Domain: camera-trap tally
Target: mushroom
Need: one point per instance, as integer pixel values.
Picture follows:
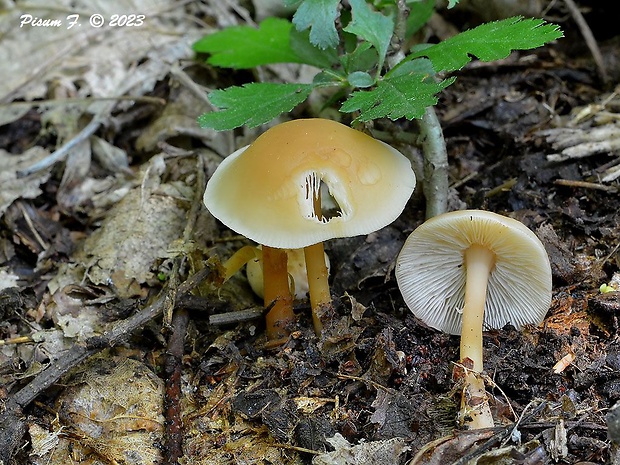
(296, 266)
(276, 191)
(465, 271)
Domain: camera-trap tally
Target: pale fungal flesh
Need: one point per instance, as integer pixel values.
(267, 190)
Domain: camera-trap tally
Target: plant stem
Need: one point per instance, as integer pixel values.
(277, 290)
(479, 262)
(318, 285)
(435, 184)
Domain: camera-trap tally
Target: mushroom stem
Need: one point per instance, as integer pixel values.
(318, 285)
(479, 262)
(238, 260)
(316, 268)
(278, 292)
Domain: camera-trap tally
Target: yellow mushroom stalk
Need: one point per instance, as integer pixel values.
(316, 267)
(277, 294)
(318, 285)
(478, 262)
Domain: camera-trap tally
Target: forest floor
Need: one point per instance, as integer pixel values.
(110, 353)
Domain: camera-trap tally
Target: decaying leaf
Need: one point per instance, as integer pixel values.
(556, 441)
(43, 441)
(388, 452)
(14, 187)
(76, 318)
(217, 436)
(110, 413)
(7, 279)
(137, 231)
(55, 53)
(450, 448)
(393, 414)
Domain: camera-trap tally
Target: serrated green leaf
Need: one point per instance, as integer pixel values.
(371, 26)
(489, 42)
(396, 97)
(320, 16)
(252, 104)
(243, 47)
(419, 66)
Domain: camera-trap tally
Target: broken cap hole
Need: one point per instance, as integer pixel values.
(324, 205)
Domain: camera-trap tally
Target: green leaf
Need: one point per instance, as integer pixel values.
(360, 79)
(371, 26)
(405, 95)
(489, 42)
(363, 58)
(419, 66)
(320, 16)
(243, 47)
(252, 104)
(329, 78)
(419, 14)
(311, 55)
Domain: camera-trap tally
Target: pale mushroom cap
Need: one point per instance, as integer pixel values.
(265, 190)
(431, 275)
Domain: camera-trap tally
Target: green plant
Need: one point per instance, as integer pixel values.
(362, 51)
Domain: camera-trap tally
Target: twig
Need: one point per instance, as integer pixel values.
(377, 386)
(465, 180)
(179, 320)
(515, 428)
(62, 152)
(295, 448)
(191, 85)
(44, 245)
(172, 401)
(498, 438)
(16, 340)
(239, 316)
(586, 32)
(85, 100)
(586, 185)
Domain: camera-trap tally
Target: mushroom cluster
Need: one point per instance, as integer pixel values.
(298, 184)
(465, 271)
(296, 265)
